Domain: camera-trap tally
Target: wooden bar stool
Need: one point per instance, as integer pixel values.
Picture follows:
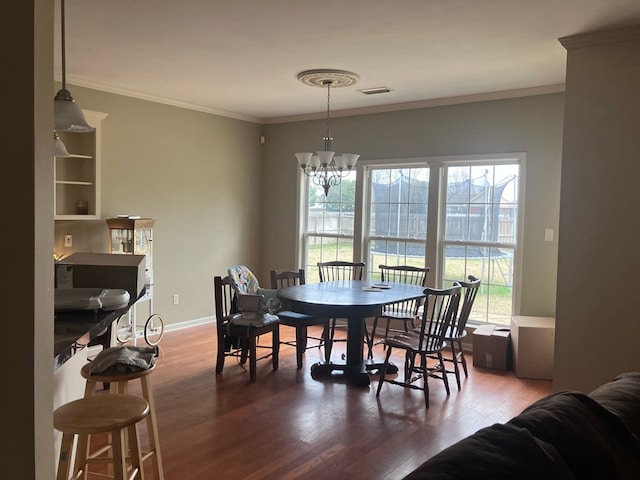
(112, 414)
(119, 383)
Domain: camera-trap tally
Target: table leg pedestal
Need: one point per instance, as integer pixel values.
(357, 375)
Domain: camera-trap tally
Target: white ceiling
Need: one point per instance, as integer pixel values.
(240, 58)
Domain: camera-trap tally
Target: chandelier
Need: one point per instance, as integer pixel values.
(325, 168)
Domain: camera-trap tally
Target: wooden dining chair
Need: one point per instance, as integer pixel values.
(456, 333)
(440, 308)
(340, 270)
(240, 341)
(300, 321)
(407, 312)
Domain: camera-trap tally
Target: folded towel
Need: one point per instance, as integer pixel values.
(123, 359)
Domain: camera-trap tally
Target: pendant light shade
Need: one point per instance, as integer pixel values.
(67, 114)
(60, 150)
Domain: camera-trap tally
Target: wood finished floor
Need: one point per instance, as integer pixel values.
(287, 425)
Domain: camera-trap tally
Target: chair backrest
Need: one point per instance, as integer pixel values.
(339, 270)
(441, 307)
(224, 300)
(287, 278)
(470, 290)
(405, 274)
(244, 281)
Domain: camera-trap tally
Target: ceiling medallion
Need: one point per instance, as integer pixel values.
(324, 77)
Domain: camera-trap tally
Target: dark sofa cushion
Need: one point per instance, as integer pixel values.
(622, 397)
(498, 452)
(593, 442)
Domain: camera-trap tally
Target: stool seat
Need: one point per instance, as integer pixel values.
(100, 413)
(116, 415)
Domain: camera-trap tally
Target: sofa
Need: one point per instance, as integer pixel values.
(566, 435)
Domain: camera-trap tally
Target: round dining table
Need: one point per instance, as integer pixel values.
(355, 301)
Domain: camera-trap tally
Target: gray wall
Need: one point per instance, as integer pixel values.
(197, 174)
(596, 326)
(221, 198)
(530, 124)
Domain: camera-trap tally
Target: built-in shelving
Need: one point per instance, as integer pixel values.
(77, 177)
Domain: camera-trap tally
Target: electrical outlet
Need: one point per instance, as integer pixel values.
(68, 241)
(176, 299)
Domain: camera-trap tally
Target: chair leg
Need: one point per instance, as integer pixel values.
(386, 329)
(463, 360)
(252, 356)
(333, 328)
(301, 343)
(444, 373)
(372, 338)
(383, 371)
(245, 350)
(425, 379)
(220, 360)
(275, 347)
(454, 359)
(409, 365)
(328, 341)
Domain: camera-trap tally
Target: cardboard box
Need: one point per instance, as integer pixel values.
(491, 347)
(103, 270)
(533, 346)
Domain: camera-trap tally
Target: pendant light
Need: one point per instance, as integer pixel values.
(324, 167)
(60, 149)
(67, 114)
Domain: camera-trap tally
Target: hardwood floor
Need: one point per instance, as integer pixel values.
(287, 425)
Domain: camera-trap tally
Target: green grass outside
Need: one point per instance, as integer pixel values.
(494, 300)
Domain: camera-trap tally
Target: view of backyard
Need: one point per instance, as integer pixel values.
(477, 237)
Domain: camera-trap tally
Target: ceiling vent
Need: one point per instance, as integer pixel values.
(375, 91)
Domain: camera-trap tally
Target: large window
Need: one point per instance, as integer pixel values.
(457, 216)
(397, 226)
(329, 225)
(479, 226)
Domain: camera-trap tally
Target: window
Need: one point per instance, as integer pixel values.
(457, 216)
(479, 229)
(329, 223)
(397, 226)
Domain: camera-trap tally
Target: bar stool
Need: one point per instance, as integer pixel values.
(113, 414)
(119, 383)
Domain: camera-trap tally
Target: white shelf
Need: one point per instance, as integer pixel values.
(71, 182)
(77, 177)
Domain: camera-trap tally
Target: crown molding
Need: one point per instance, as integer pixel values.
(437, 102)
(601, 37)
(157, 99)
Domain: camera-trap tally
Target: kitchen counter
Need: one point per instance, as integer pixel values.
(75, 330)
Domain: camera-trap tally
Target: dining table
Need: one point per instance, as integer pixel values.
(353, 300)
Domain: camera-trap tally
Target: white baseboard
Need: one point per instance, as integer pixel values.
(189, 323)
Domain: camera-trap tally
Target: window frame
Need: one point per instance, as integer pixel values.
(434, 245)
